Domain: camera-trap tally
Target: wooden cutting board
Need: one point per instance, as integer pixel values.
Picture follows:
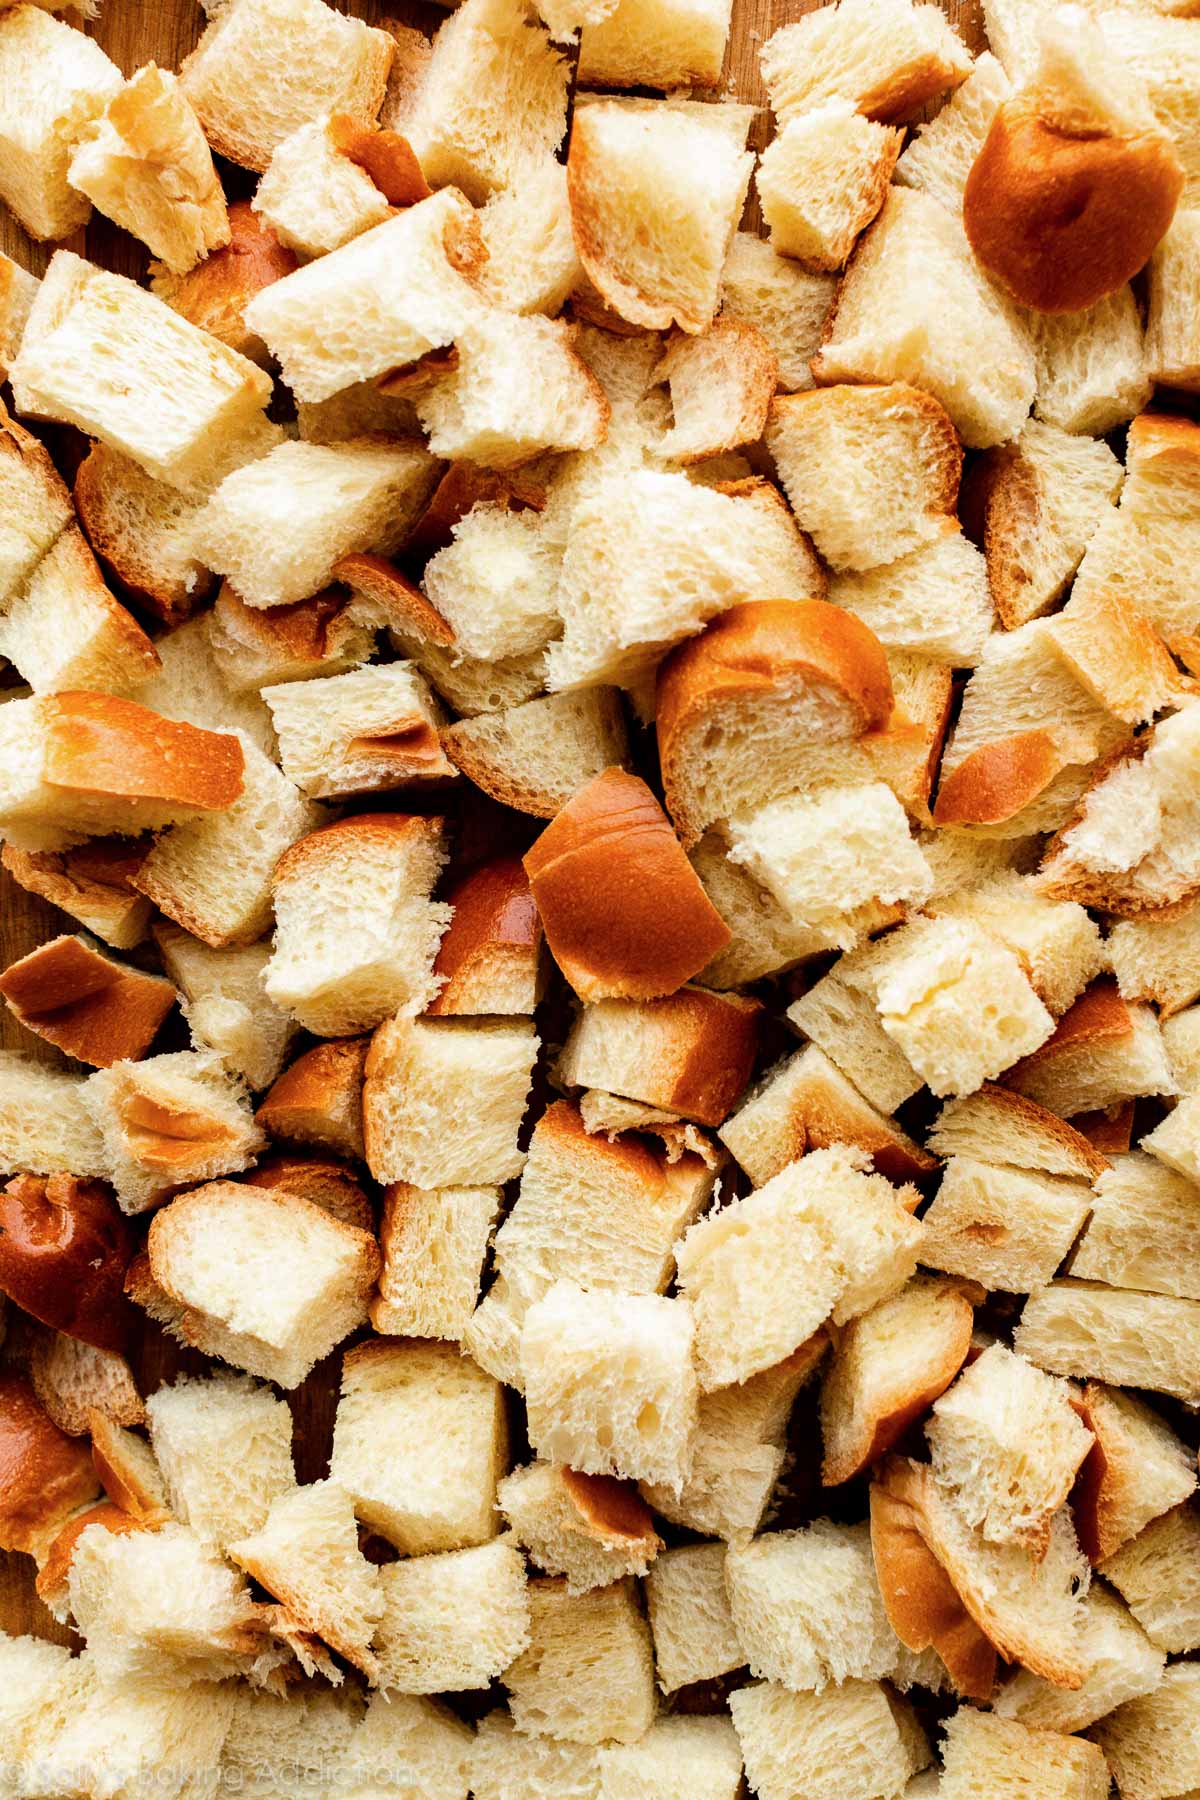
(134, 32)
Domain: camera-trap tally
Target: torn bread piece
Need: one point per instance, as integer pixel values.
(549, 1690)
(146, 164)
(1008, 1229)
(37, 506)
(797, 1742)
(1057, 943)
(356, 932)
(691, 1052)
(343, 319)
(1122, 1665)
(1102, 1051)
(1157, 958)
(1172, 346)
(1145, 1218)
(1149, 1743)
(899, 462)
(823, 179)
(318, 1099)
(103, 354)
(667, 44)
(888, 1365)
(940, 152)
(169, 1122)
(695, 1638)
(224, 1446)
(721, 385)
(918, 249)
(371, 730)
(18, 291)
(1137, 1470)
(215, 294)
(788, 304)
(934, 601)
(452, 1621)
(141, 531)
(334, 178)
(888, 57)
(64, 632)
(247, 1312)
(1140, 551)
(592, 1529)
(1091, 365)
(489, 408)
(1084, 1329)
(265, 67)
(80, 1000)
(495, 582)
(532, 264)
(45, 1128)
(982, 1754)
(656, 191)
(996, 1125)
(434, 1242)
(224, 1002)
(534, 757)
(55, 81)
(1154, 1573)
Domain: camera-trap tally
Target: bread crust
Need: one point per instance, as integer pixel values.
(80, 1001)
(311, 1101)
(54, 1574)
(764, 648)
(921, 1601)
(64, 1250)
(216, 293)
(463, 486)
(327, 1184)
(999, 780)
(402, 605)
(611, 1511)
(92, 882)
(102, 744)
(1061, 220)
(623, 910)
(494, 936)
(45, 1476)
(303, 631)
(1099, 1015)
(385, 156)
(119, 1473)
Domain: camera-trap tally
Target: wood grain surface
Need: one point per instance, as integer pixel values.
(134, 32)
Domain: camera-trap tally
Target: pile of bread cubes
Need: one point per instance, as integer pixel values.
(623, 799)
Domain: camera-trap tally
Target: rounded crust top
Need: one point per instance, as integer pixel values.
(329, 842)
(1059, 220)
(1099, 1013)
(622, 908)
(64, 1250)
(101, 744)
(494, 912)
(45, 1475)
(998, 780)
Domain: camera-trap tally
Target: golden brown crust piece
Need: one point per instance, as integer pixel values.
(93, 883)
(611, 1511)
(45, 1476)
(919, 1597)
(80, 1001)
(760, 650)
(318, 1100)
(101, 744)
(64, 1250)
(999, 780)
(463, 486)
(623, 910)
(385, 156)
(325, 1183)
(495, 933)
(216, 293)
(400, 604)
(55, 1571)
(1061, 220)
(305, 631)
(1099, 1013)
(119, 1473)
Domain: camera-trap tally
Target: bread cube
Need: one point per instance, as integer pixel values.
(1006, 1438)
(764, 939)
(1102, 1052)
(214, 875)
(855, 1742)
(265, 67)
(518, 389)
(293, 1281)
(1006, 1228)
(495, 582)
(434, 1242)
(397, 1398)
(939, 154)
(295, 1736)
(150, 1600)
(1158, 959)
(1082, 1328)
(934, 977)
(170, 1122)
(490, 959)
(806, 1103)
(307, 1555)
(41, 1682)
(414, 1067)
(224, 1445)
(786, 303)
(45, 1128)
(934, 601)
(918, 248)
(588, 1405)
(1056, 942)
(1125, 558)
(691, 1052)
(899, 463)
(255, 648)
(159, 1734)
(866, 853)
(1150, 1743)
(355, 930)
(1138, 1470)
(841, 1018)
(687, 553)
(317, 194)
(452, 1621)
(103, 354)
(588, 1674)
(373, 729)
(54, 81)
(1003, 1757)
(589, 1528)
(1172, 346)
(145, 163)
(532, 263)
(678, 1759)
(37, 506)
(318, 1100)
(886, 56)
(806, 1607)
(822, 180)
(1122, 1665)
(821, 1239)
(222, 998)
(1155, 1573)
(695, 1638)
(656, 193)
(215, 294)
(721, 385)
(887, 1366)
(94, 1009)
(428, 1742)
(1143, 1222)
(276, 527)
(63, 631)
(656, 43)
(1092, 371)
(345, 318)
(737, 1451)
(507, 1764)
